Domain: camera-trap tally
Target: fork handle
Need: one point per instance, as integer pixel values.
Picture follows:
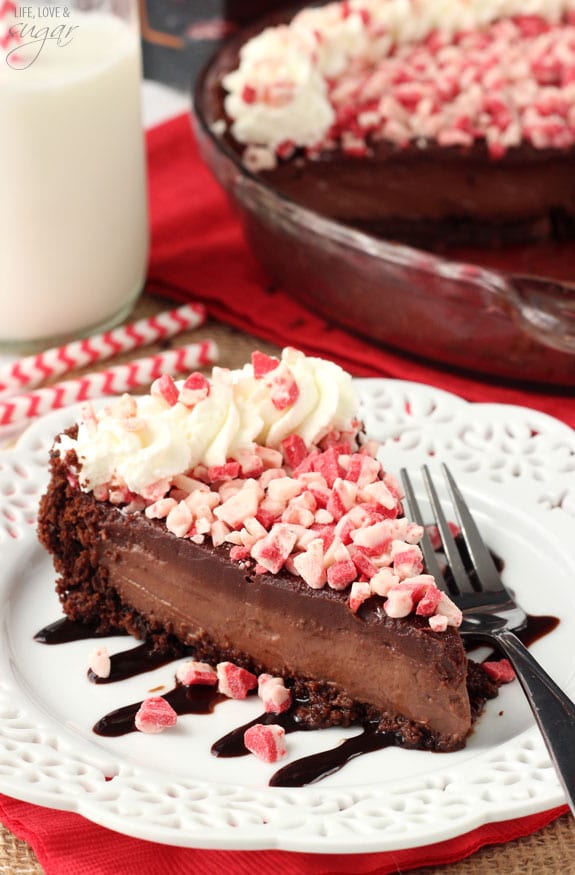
(553, 710)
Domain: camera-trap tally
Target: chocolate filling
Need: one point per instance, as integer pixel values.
(122, 570)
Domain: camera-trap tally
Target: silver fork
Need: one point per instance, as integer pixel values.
(490, 614)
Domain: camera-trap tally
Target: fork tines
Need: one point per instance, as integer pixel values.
(464, 577)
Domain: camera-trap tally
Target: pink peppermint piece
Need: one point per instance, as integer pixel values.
(283, 387)
(270, 474)
(244, 503)
(409, 594)
(165, 388)
(438, 623)
(99, 662)
(362, 469)
(362, 562)
(341, 574)
(449, 609)
(375, 540)
(268, 516)
(263, 364)
(218, 532)
(156, 490)
(273, 693)
(500, 671)
(273, 550)
(413, 533)
(283, 489)
(306, 500)
(320, 492)
(294, 450)
(309, 564)
(383, 581)
(254, 528)
(266, 742)
(270, 458)
(407, 562)
(250, 463)
(239, 553)
(342, 498)
(307, 464)
(228, 471)
(179, 520)
(154, 715)
(298, 516)
(399, 602)
(380, 494)
(344, 529)
(327, 465)
(191, 672)
(234, 681)
(334, 441)
(360, 592)
(120, 494)
(194, 389)
(428, 604)
(325, 531)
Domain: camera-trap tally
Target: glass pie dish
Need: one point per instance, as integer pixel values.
(508, 313)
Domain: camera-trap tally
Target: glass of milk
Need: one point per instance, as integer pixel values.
(73, 204)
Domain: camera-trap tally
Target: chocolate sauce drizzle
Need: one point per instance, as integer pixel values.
(137, 660)
(203, 699)
(64, 631)
(197, 699)
(310, 769)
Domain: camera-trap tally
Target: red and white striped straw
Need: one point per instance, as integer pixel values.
(29, 372)
(121, 378)
(9, 34)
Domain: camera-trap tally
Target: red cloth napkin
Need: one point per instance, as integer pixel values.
(66, 844)
(198, 251)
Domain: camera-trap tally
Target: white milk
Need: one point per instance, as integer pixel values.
(73, 209)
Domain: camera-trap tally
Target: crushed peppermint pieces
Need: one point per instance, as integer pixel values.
(267, 742)
(502, 82)
(234, 681)
(154, 715)
(274, 694)
(328, 513)
(190, 673)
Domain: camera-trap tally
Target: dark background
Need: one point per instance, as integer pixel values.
(178, 36)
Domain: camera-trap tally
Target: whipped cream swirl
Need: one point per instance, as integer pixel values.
(139, 441)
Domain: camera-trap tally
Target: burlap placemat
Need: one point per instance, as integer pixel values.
(552, 850)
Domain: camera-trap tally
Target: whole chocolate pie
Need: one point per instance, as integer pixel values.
(431, 123)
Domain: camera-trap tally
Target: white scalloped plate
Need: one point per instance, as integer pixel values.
(517, 468)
